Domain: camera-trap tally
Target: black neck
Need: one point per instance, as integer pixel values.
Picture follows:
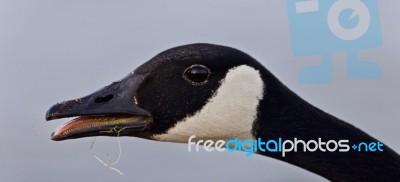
(287, 116)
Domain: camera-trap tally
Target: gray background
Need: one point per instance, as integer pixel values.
(52, 50)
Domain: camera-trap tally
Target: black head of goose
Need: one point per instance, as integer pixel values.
(220, 93)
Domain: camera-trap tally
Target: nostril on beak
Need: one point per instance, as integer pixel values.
(104, 98)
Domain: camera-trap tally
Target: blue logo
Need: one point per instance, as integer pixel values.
(323, 27)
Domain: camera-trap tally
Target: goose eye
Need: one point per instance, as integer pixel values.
(196, 74)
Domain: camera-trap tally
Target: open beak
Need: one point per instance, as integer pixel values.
(111, 111)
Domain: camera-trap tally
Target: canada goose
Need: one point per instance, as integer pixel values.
(216, 92)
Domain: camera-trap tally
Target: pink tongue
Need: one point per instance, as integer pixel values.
(77, 123)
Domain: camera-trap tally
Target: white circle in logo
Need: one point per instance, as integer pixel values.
(359, 9)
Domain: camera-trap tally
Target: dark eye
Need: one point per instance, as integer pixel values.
(196, 74)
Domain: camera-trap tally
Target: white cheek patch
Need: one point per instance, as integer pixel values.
(228, 114)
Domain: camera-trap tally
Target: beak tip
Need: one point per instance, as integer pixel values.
(53, 112)
(49, 115)
(55, 137)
